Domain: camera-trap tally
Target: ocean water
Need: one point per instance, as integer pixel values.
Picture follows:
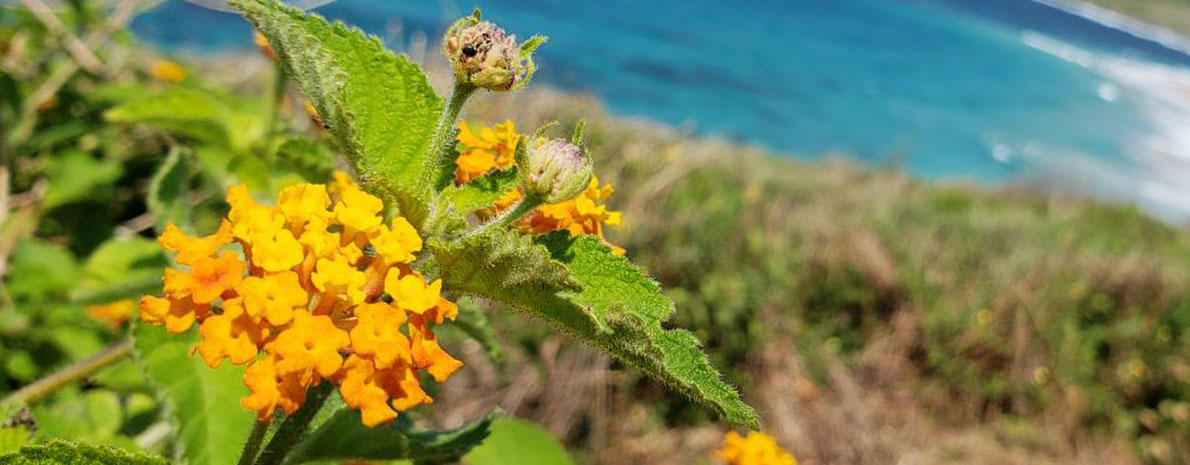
(985, 90)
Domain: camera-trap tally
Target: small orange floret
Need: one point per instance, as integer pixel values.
(492, 149)
(755, 449)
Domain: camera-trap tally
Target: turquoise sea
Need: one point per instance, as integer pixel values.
(1055, 94)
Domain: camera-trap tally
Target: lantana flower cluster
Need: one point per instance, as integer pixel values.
(317, 288)
(492, 150)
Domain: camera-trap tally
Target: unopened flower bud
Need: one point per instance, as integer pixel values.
(554, 169)
(483, 55)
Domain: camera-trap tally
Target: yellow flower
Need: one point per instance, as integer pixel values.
(490, 150)
(398, 244)
(114, 314)
(274, 297)
(377, 334)
(304, 204)
(167, 71)
(190, 249)
(585, 214)
(411, 293)
(358, 212)
(755, 449)
(308, 310)
(310, 347)
(338, 277)
(232, 335)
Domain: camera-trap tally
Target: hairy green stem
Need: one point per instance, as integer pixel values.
(295, 425)
(440, 145)
(521, 209)
(252, 447)
(46, 386)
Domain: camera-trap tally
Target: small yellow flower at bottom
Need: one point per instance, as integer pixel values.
(167, 71)
(755, 449)
(113, 314)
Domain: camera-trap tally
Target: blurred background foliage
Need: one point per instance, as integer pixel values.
(871, 317)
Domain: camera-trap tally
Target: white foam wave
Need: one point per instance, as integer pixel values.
(1158, 175)
(1122, 22)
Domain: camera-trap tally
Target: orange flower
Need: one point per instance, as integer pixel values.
(309, 307)
(114, 314)
(490, 150)
(585, 214)
(167, 71)
(756, 449)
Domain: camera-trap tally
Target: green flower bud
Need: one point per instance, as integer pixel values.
(554, 169)
(483, 55)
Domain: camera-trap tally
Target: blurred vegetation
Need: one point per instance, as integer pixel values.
(1174, 14)
(988, 304)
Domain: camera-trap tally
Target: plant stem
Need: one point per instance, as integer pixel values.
(252, 447)
(521, 209)
(439, 145)
(295, 425)
(46, 386)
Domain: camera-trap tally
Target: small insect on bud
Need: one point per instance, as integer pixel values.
(483, 55)
(554, 169)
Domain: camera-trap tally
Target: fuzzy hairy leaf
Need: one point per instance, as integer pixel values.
(507, 267)
(59, 452)
(631, 303)
(378, 105)
(343, 437)
(202, 115)
(520, 442)
(204, 403)
(12, 438)
(614, 307)
(482, 192)
(167, 190)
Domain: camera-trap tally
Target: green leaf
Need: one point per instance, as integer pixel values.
(312, 160)
(75, 176)
(614, 306)
(202, 115)
(507, 267)
(482, 192)
(12, 438)
(39, 269)
(344, 437)
(631, 303)
(518, 442)
(71, 453)
(94, 416)
(168, 189)
(378, 105)
(203, 402)
(121, 269)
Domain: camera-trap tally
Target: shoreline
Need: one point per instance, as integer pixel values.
(1131, 25)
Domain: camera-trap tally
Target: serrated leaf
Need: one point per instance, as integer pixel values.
(344, 437)
(311, 160)
(168, 189)
(202, 115)
(71, 453)
(379, 106)
(615, 307)
(519, 442)
(631, 303)
(202, 402)
(482, 192)
(121, 269)
(508, 267)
